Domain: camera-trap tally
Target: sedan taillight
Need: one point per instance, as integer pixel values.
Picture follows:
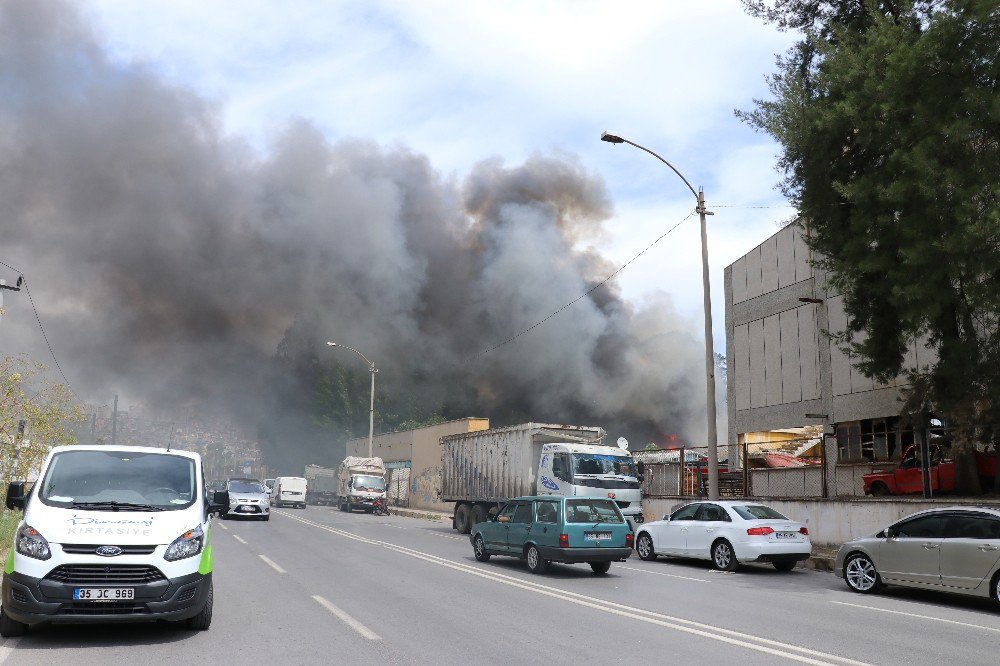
(760, 531)
(804, 530)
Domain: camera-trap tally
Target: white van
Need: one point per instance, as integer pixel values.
(111, 534)
(289, 490)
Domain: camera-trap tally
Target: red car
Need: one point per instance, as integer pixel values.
(907, 478)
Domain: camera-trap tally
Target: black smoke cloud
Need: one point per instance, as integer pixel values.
(168, 260)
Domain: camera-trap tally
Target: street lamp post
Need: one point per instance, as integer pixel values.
(371, 405)
(713, 452)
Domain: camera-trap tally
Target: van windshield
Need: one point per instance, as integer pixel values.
(372, 483)
(240, 486)
(119, 481)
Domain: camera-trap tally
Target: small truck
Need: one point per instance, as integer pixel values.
(907, 477)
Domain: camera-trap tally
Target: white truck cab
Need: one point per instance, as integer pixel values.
(111, 534)
(587, 470)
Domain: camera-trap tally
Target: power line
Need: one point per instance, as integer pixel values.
(40, 327)
(582, 296)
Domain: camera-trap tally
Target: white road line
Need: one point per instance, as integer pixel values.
(223, 526)
(240, 539)
(347, 619)
(447, 536)
(921, 617)
(739, 639)
(660, 573)
(271, 563)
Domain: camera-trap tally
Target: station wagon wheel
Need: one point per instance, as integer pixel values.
(536, 564)
(600, 567)
(479, 547)
(861, 575)
(723, 557)
(644, 546)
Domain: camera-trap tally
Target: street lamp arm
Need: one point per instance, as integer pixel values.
(672, 167)
(370, 364)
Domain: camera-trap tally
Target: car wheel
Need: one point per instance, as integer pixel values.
(479, 547)
(996, 588)
(600, 568)
(879, 489)
(203, 620)
(723, 557)
(266, 517)
(860, 574)
(644, 546)
(9, 627)
(536, 564)
(783, 566)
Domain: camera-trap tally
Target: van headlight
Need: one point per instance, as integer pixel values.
(186, 545)
(31, 543)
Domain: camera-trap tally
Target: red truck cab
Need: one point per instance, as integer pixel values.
(907, 477)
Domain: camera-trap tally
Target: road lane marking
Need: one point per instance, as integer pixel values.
(240, 539)
(347, 619)
(271, 563)
(223, 526)
(921, 617)
(661, 573)
(720, 634)
(447, 536)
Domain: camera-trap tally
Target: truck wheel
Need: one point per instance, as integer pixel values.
(203, 620)
(600, 568)
(479, 547)
(879, 489)
(536, 564)
(479, 514)
(343, 506)
(9, 627)
(462, 519)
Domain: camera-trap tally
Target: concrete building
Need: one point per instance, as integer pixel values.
(786, 372)
(413, 458)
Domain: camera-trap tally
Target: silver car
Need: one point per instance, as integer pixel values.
(247, 498)
(952, 549)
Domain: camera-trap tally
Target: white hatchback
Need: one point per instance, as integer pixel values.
(728, 534)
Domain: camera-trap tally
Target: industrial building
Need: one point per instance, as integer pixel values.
(413, 460)
(785, 371)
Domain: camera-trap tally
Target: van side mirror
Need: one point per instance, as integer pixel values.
(16, 498)
(220, 501)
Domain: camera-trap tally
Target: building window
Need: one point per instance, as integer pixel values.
(872, 440)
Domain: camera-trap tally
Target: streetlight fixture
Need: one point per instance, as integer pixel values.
(713, 443)
(371, 405)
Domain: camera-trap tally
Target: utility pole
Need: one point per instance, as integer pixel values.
(114, 422)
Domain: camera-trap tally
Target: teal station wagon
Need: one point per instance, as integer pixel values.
(547, 529)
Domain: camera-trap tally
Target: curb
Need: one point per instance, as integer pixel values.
(417, 513)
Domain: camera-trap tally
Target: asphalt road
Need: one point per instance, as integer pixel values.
(320, 586)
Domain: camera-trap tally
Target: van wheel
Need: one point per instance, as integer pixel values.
(536, 564)
(203, 620)
(600, 568)
(9, 627)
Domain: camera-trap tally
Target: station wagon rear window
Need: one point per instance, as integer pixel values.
(592, 511)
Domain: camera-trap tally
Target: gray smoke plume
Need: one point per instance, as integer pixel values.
(168, 261)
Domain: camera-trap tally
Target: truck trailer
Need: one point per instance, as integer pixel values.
(482, 470)
(321, 488)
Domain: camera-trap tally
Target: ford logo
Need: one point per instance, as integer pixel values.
(109, 551)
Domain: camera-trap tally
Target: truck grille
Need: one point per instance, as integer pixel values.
(98, 574)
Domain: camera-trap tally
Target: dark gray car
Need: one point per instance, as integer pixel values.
(951, 549)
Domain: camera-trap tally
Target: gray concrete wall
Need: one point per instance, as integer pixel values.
(831, 522)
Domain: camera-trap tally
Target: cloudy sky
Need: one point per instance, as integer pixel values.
(466, 81)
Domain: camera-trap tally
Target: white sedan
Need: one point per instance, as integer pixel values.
(727, 533)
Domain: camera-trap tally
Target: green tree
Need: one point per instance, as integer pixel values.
(888, 114)
(47, 409)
